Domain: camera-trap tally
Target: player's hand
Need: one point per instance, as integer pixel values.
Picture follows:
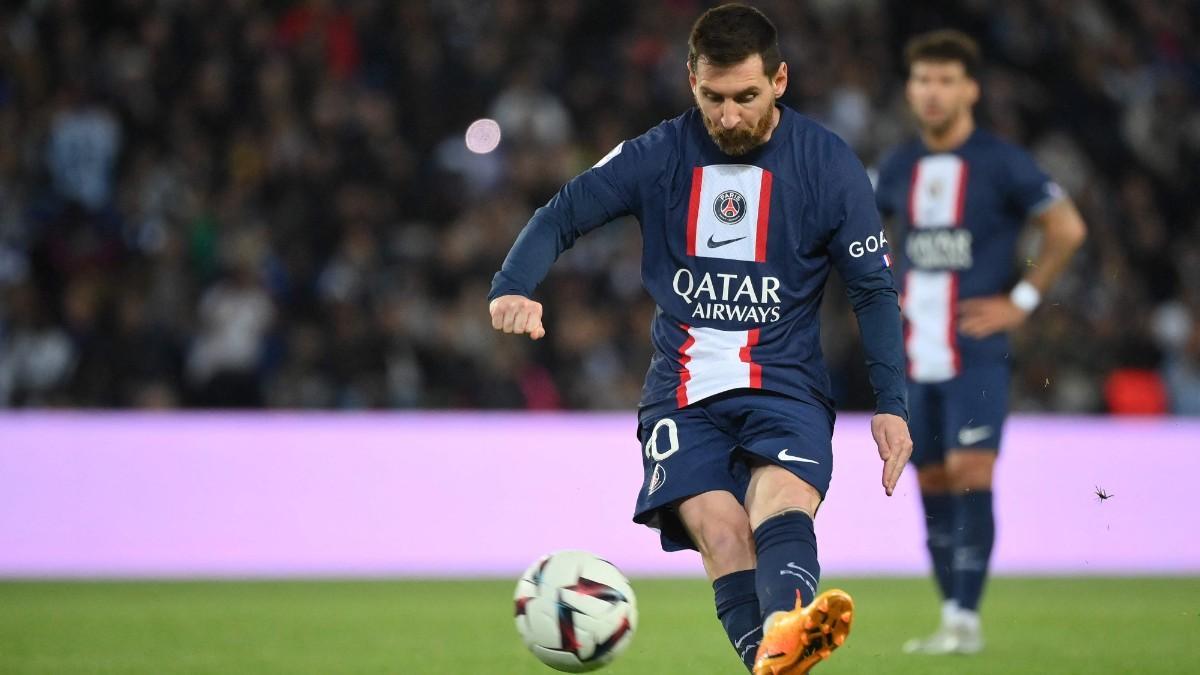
(981, 317)
(895, 447)
(517, 314)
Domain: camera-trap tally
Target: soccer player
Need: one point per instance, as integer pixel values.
(959, 196)
(744, 207)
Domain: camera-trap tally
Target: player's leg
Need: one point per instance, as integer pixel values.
(801, 627)
(970, 475)
(720, 529)
(970, 464)
(925, 425)
(937, 503)
(788, 448)
(782, 507)
(688, 494)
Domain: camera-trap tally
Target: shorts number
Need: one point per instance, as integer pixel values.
(672, 437)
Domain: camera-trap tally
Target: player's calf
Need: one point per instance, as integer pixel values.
(720, 528)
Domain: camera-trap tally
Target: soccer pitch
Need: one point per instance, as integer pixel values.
(1088, 625)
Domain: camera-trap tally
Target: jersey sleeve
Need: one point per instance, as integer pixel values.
(877, 308)
(1030, 190)
(858, 249)
(609, 190)
(857, 244)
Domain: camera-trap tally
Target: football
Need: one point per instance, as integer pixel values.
(574, 611)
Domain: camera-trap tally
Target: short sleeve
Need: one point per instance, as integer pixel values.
(857, 244)
(1030, 190)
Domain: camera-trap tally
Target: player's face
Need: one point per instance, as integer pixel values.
(738, 102)
(939, 93)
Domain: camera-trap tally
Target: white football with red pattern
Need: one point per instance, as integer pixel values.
(574, 611)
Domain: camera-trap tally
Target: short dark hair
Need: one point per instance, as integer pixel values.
(941, 46)
(729, 34)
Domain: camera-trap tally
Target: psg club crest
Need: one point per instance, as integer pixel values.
(730, 207)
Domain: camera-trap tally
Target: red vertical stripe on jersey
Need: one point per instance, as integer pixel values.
(962, 194)
(906, 323)
(952, 328)
(958, 222)
(912, 195)
(694, 209)
(755, 368)
(764, 217)
(684, 375)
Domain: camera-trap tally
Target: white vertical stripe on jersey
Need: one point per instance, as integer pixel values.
(928, 306)
(714, 238)
(935, 197)
(931, 298)
(714, 361)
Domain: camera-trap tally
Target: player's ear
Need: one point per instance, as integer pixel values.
(691, 75)
(972, 91)
(780, 81)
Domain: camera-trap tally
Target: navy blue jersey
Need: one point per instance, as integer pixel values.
(958, 215)
(736, 252)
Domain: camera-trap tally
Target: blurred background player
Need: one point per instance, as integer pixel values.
(959, 197)
(744, 205)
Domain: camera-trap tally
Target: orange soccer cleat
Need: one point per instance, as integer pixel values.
(805, 636)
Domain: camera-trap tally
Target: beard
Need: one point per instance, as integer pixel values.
(740, 140)
(943, 126)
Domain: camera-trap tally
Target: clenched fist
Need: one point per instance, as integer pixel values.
(517, 314)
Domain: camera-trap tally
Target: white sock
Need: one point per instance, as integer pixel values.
(949, 612)
(967, 619)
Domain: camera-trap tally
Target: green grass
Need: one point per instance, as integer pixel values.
(1058, 626)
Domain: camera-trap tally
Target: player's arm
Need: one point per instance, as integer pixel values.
(859, 251)
(604, 192)
(1063, 232)
(877, 308)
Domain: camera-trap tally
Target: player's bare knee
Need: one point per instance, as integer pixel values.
(970, 470)
(775, 490)
(725, 543)
(720, 528)
(726, 547)
(933, 479)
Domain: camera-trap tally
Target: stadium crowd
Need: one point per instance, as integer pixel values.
(270, 204)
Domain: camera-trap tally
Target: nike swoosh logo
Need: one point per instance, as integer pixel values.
(713, 243)
(973, 435)
(788, 457)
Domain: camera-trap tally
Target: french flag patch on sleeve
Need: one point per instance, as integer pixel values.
(887, 260)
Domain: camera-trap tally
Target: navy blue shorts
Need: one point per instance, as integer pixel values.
(966, 412)
(710, 444)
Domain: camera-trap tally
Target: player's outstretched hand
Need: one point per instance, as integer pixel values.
(517, 314)
(895, 447)
(981, 317)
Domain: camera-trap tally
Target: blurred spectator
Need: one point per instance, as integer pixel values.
(226, 358)
(82, 150)
(37, 356)
(1183, 377)
(271, 204)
